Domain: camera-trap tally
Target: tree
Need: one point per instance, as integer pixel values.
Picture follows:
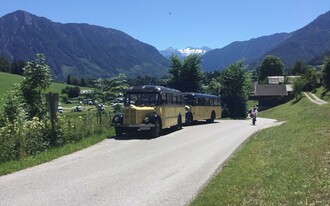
(298, 86)
(311, 79)
(235, 87)
(186, 75)
(299, 68)
(36, 79)
(270, 66)
(111, 87)
(72, 92)
(116, 85)
(17, 67)
(74, 81)
(12, 107)
(326, 73)
(213, 87)
(83, 82)
(68, 79)
(4, 64)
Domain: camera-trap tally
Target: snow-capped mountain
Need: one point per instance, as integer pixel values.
(182, 53)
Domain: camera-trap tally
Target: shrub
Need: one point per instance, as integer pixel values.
(9, 147)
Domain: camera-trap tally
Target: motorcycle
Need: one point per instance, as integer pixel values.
(253, 117)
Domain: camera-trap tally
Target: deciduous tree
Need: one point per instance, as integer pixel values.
(298, 86)
(36, 79)
(270, 66)
(326, 73)
(235, 86)
(186, 74)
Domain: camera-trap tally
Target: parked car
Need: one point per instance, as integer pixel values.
(60, 109)
(78, 109)
(100, 107)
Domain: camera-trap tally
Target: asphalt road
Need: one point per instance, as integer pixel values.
(169, 170)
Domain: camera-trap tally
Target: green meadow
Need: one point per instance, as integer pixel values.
(284, 165)
(7, 80)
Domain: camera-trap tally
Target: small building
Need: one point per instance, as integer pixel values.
(275, 79)
(270, 95)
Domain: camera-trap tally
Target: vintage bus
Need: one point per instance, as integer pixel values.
(151, 108)
(202, 107)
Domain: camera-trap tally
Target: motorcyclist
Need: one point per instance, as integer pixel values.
(254, 114)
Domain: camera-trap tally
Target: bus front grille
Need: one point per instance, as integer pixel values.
(130, 116)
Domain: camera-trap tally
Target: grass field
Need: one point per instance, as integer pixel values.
(284, 165)
(7, 80)
(6, 83)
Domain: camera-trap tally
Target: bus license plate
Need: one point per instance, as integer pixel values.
(145, 128)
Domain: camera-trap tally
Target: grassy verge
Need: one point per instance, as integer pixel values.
(323, 94)
(284, 165)
(53, 153)
(6, 83)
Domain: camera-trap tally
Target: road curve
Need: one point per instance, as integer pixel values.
(168, 170)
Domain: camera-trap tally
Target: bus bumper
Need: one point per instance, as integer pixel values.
(138, 127)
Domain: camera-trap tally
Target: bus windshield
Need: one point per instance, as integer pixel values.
(141, 99)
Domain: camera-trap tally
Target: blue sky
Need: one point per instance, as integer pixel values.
(180, 23)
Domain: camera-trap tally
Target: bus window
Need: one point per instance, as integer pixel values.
(163, 98)
(206, 102)
(169, 98)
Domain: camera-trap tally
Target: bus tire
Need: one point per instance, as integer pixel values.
(119, 131)
(212, 117)
(179, 125)
(155, 130)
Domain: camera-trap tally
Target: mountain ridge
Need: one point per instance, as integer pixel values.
(307, 44)
(248, 50)
(77, 49)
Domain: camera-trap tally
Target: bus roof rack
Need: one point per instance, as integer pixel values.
(199, 95)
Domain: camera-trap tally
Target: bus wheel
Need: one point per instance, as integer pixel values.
(179, 125)
(155, 130)
(119, 131)
(212, 117)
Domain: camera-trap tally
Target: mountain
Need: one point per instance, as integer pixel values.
(183, 53)
(77, 49)
(249, 50)
(308, 44)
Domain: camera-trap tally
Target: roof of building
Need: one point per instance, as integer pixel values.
(270, 90)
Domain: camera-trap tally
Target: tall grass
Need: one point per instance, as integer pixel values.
(52, 153)
(284, 165)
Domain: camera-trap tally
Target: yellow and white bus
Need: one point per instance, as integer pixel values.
(202, 107)
(152, 108)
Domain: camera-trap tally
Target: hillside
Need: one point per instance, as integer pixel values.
(308, 44)
(286, 165)
(250, 50)
(7, 80)
(77, 49)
